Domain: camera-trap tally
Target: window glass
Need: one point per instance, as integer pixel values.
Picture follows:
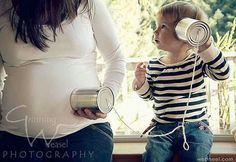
(135, 22)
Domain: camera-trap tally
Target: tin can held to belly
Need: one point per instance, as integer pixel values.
(193, 31)
(101, 99)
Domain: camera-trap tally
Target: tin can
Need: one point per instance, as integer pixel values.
(101, 99)
(195, 32)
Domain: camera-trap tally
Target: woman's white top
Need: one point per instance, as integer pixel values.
(37, 86)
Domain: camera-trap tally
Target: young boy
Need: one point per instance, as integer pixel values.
(175, 83)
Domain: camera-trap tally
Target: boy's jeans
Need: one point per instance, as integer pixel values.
(91, 144)
(162, 149)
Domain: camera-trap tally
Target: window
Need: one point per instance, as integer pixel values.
(135, 30)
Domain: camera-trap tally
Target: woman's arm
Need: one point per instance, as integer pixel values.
(109, 46)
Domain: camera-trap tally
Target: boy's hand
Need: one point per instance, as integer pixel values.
(206, 45)
(140, 75)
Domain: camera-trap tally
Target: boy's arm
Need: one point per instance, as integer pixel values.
(145, 90)
(215, 65)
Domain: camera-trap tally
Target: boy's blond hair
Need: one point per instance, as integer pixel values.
(179, 10)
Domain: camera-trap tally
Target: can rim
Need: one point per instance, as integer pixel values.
(113, 99)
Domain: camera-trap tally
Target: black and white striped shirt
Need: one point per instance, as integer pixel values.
(169, 86)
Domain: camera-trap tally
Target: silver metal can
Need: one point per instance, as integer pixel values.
(195, 32)
(101, 99)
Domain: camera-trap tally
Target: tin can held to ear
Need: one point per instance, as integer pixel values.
(195, 32)
(97, 100)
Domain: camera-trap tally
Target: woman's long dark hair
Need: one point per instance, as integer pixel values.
(28, 18)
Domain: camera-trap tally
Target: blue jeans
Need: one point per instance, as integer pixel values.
(91, 144)
(162, 149)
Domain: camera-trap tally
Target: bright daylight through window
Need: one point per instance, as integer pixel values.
(135, 22)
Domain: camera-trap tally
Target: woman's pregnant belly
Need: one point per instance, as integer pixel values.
(36, 96)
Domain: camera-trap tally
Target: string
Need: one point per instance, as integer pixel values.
(120, 118)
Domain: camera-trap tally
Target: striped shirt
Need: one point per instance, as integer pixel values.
(169, 86)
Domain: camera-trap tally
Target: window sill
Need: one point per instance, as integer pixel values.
(132, 151)
(139, 148)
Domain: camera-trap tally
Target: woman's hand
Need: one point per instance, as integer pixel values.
(140, 76)
(87, 113)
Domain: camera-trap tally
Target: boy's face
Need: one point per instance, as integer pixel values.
(164, 34)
